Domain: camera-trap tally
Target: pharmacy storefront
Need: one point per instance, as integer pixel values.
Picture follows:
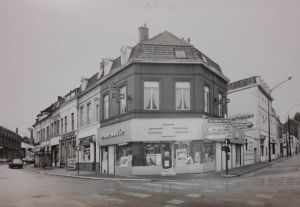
(155, 146)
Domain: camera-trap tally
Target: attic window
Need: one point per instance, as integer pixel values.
(180, 54)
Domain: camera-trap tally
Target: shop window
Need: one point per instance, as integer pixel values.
(182, 154)
(195, 152)
(124, 156)
(182, 95)
(151, 95)
(153, 154)
(86, 153)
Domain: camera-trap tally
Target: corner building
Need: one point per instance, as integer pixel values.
(155, 99)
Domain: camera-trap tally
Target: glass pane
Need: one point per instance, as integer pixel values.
(151, 84)
(147, 102)
(186, 98)
(123, 100)
(155, 96)
(178, 99)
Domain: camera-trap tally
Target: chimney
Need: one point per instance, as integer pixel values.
(143, 33)
(17, 130)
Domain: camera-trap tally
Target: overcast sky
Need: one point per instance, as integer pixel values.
(46, 46)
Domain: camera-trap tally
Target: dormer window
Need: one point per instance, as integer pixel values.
(180, 54)
(125, 53)
(106, 65)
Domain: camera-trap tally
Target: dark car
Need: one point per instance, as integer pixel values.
(15, 163)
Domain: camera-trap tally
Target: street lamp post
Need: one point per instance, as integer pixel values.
(78, 148)
(269, 133)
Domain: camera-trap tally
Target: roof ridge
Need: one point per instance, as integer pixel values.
(161, 35)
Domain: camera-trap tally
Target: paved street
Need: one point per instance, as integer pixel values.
(275, 186)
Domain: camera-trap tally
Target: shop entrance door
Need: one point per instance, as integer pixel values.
(166, 156)
(104, 160)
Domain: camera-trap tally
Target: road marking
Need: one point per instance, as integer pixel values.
(208, 190)
(111, 190)
(169, 206)
(192, 195)
(219, 186)
(175, 202)
(256, 203)
(182, 183)
(272, 190)
(264, 196)
(143, 188)
(165, 186)
(138, 195)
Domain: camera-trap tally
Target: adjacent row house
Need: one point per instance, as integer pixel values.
(249, 102)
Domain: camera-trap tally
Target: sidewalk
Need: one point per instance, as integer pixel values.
(240, 171)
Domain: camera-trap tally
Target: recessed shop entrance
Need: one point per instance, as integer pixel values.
(107, 160)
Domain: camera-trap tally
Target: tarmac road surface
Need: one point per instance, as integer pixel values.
(278, 186)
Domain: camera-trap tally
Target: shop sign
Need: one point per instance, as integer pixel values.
(117, 133)
(243, 121)
(68, 135)
(281, 140)
(71, 163)
(218, 129)
(86, 140)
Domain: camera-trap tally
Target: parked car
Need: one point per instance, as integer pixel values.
(16, 162)
(28, 160)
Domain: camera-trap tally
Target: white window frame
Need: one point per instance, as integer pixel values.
(206, 99)
(81, 116)
(151, 85)
(106, 106)
(180, 85)
(220, 104)
(123, 99)
(89, 113)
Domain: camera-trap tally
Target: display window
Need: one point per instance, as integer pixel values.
(124, 156)
(153, 154)
(86, 153)
(194, 152)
